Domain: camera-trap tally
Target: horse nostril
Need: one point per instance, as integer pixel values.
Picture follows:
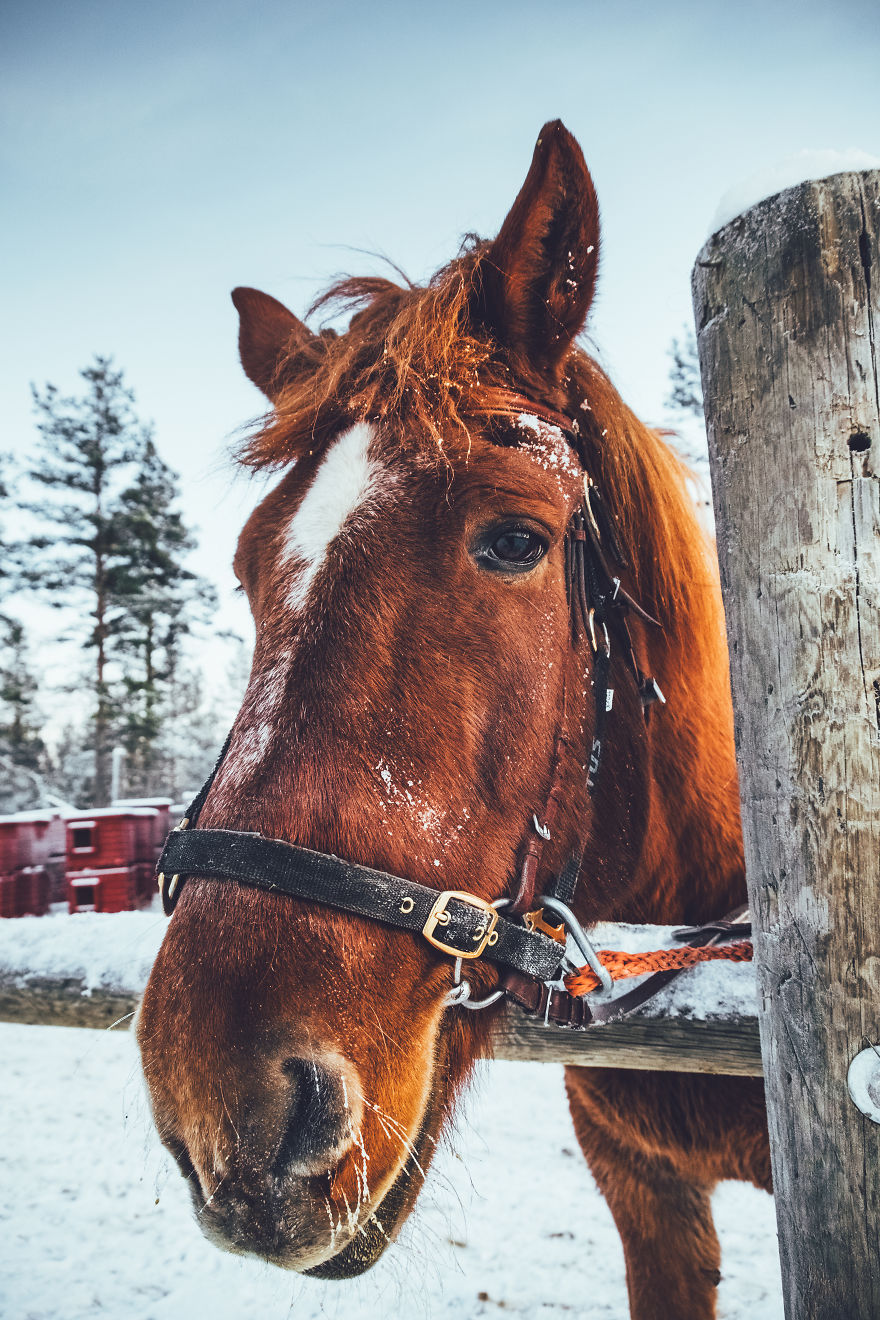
(319, 1121)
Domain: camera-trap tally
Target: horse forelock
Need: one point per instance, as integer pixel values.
(418, 361)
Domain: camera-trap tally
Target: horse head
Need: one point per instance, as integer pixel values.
(416, 684)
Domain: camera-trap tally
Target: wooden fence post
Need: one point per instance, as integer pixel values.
(787, 306)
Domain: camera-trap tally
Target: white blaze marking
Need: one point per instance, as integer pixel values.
(346, 481)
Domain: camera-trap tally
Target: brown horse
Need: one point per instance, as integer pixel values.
(414, 666)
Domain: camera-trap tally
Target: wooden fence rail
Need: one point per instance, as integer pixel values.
(787, 305)
(89, 971)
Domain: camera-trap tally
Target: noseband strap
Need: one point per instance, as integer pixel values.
(457, 924)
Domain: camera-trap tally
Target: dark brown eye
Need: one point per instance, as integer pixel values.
(513, 549)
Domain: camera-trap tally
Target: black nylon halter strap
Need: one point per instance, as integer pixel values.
(459, 925)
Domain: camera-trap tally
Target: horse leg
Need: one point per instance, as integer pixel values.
(665, 1223)
(673, 1260)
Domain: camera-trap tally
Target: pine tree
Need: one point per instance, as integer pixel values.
(161, 601)
(20, 723)
(21, 745)
(86, 440)
(685, 389)
(6, 549)
(192, 733)
(72, 769)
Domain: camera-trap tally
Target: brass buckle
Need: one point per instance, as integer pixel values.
(485, 937)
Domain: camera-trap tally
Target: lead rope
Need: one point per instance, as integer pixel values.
(620, 966)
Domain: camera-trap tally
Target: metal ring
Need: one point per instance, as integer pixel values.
(461, 990)
(459, 994)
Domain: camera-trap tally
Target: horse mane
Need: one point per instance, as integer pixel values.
(418, 357)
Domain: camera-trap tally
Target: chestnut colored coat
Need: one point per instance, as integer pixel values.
(414, 664)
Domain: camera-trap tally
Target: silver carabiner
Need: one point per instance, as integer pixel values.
(460, 993)
(580, 937)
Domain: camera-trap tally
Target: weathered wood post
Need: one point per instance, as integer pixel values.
(787, 305)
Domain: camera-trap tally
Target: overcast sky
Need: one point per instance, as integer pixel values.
(155, 155)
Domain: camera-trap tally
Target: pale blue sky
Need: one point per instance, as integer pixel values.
(155, 155)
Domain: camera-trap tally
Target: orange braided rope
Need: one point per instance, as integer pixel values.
(622, 965)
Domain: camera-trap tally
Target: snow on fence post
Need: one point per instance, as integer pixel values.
(787, 307)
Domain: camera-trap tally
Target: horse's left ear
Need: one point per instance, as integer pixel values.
(267, 336)
(539, 275)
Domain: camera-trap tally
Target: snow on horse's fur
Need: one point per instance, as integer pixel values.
(402, 712)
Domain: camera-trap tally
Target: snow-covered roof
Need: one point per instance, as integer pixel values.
(40, 815)
(143, 802)
(89, 816)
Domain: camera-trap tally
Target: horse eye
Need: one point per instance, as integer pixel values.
(514, 548)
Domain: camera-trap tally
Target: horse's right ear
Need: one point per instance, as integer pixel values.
(539, 274)
(268, 334)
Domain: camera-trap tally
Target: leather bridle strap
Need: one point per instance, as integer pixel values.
(458, 924)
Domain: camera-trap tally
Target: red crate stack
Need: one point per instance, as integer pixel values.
(109, 853)
(50, 848)
(24, 877)
(153, 839)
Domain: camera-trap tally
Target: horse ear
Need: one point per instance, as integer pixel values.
(539, 275)
(267, 335)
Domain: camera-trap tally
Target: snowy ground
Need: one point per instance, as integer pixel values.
(94, 1222)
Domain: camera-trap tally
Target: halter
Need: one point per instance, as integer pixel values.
(529, 950)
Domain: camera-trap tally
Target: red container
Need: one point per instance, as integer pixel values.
(163, 825)
(18, 843)
(9, 896)
(32, 885)
(145, 834)
(105, 839)
(50, 835)
(31, 851)
(161, 820)
(26, 893)
(145, 883)
(82, 892)
(49, 849)
(111, 890)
